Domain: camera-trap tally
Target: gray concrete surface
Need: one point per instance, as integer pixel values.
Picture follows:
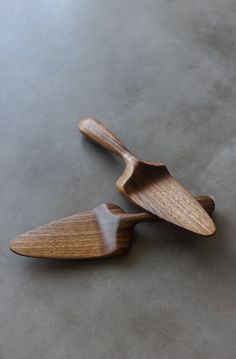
(161, 74)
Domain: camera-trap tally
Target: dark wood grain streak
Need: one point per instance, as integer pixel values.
(150, 185)
(102, 232)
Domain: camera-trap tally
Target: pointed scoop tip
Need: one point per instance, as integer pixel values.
(208, 230)
(16, 247)
(13, 246)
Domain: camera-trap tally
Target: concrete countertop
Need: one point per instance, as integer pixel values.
(161, 75)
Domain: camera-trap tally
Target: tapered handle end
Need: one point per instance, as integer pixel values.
(95, 131)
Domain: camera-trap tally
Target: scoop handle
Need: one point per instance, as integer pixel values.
(95, 131)
(206, 202)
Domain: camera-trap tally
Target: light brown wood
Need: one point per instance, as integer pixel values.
(102, 232)
(150, 185)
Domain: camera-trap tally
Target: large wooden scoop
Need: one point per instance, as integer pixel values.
(150, 185)
(102, 232)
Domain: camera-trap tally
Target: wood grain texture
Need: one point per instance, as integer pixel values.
(150, 185)
(102, 232)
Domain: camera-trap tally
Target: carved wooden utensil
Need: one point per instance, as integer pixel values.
(102, 232)
(150, 185)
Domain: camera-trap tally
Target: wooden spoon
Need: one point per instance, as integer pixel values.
(150, 185)
(102, 232)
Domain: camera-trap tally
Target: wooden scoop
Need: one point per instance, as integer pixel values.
(102, 232)
(150, 185)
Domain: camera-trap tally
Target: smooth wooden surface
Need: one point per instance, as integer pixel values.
(101, 232)
(150, 185)
(156, 72)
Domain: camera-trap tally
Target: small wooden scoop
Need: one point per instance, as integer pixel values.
(150, 185)
(102, 232)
